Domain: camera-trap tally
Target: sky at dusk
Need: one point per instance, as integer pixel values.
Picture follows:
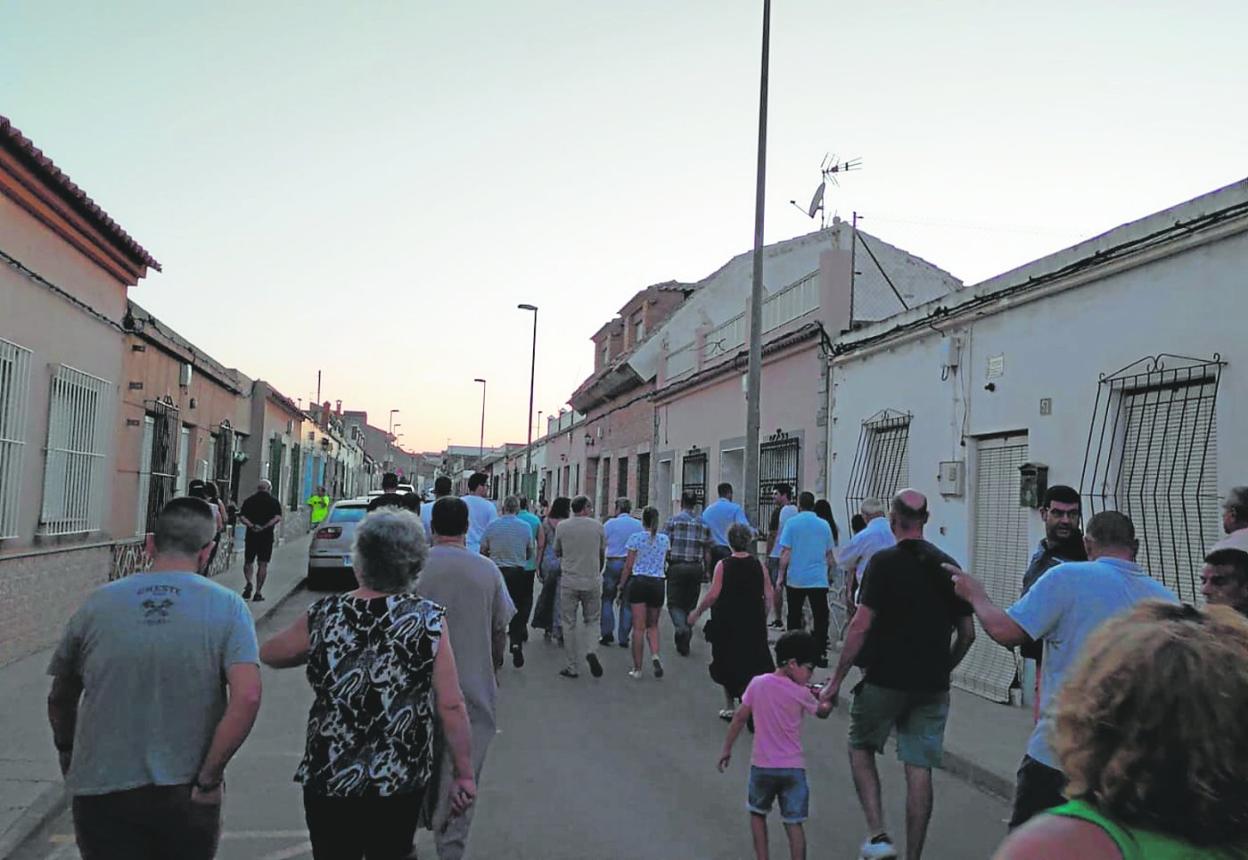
(370, 188)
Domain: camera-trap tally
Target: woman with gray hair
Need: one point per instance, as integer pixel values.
(378, 659)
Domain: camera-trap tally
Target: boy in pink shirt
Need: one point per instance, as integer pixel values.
(778, 701)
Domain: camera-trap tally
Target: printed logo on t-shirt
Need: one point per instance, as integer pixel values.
(156, 607)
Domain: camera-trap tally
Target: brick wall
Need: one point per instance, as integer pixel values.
(40, 591)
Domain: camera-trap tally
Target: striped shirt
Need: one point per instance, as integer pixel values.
(507, 541)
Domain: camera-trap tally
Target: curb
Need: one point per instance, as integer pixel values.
(993, 784)
(53, 800)
(50, 803)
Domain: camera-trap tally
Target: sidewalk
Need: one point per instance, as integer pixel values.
(984, 741)
(31, 789)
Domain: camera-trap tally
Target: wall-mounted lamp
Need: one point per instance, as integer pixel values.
(589, 440)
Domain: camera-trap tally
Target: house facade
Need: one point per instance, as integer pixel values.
(1114, 366)
(65, 268)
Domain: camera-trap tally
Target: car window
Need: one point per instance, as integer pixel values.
(348, 515)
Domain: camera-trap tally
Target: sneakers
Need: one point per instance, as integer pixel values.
(595, 668)
(568, 673)
(877, 848)
(682, 642)
(609, 639)
(776, 625)
(625, 644)
(517, 657)
(635, 674)
(658, 667)
(247, 591)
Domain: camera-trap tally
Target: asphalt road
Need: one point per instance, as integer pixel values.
(588, 769)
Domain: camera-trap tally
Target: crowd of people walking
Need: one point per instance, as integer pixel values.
(1138, 749)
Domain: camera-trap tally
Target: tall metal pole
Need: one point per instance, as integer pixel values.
(481, 444)
(528, 451)
(755, 372)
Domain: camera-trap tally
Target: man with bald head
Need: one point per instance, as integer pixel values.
(1061, 610)
(260, 513)
(919, 631)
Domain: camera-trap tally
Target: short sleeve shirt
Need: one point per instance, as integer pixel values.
(779, 519)
(478, 607)
(808, 538)
(651, 553)
(778, 705)
(619, 530)
(481, 512)
(259, 508)
(1062, 609)
(916, 611)
(370, 728)
(689, 536)
(152, 651)
(509, 541)
(580, 543)
(721, 515)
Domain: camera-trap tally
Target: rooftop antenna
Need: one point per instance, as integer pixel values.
(829, 168)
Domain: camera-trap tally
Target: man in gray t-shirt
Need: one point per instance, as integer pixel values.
(478, 609)
(156, 684)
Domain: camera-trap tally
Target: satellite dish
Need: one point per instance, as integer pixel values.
(816, 201)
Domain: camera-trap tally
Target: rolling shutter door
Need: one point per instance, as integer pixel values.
(999, 560)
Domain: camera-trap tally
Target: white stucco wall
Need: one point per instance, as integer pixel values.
(1193, 304)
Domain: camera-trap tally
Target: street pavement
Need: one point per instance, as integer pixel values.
(588, 769)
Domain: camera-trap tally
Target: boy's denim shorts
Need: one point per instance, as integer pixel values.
(787, 783)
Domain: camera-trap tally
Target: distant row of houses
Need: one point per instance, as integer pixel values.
(106, 411)
(1116, 366)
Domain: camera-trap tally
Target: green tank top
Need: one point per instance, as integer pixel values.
(1137, 844)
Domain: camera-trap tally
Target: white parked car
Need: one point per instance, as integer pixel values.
(329, 555)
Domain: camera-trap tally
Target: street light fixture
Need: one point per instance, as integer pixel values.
(528, 451)
(481, 448)
(392, 414)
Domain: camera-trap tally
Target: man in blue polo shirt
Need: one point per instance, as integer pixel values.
(618, 530)
(806, 555)
(719, 516)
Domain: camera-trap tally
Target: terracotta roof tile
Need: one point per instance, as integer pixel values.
(34, 158)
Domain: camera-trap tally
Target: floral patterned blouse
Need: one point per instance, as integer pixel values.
(370, 728)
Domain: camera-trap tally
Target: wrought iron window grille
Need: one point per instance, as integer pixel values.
(693, 475)
(1152, 454)
(881, 464)
(779, 461)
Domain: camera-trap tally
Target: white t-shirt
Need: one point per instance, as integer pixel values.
(481, 512)
(651, 553)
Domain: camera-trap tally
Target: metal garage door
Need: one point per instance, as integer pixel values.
(999, 558)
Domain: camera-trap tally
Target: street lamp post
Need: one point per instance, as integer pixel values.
(528, 451)
(392, 414)
(481, 448)
(755, 369)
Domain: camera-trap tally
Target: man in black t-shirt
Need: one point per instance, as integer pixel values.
(391, 497)
(260, 513)
(905, 620)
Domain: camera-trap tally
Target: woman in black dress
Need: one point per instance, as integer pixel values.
(741, 595)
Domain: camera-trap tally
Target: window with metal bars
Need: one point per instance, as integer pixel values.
(1152, 454)
(159, 471)
(882, 460)
(14, 392)
(296, 479)
(222, 469)
(778, 463)
(643, 480)
(73, 481)
(693, 475)
(621, 483)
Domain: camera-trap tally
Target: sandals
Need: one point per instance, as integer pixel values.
(726, 714)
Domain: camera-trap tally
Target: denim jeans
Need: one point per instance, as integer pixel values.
(610, 588)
